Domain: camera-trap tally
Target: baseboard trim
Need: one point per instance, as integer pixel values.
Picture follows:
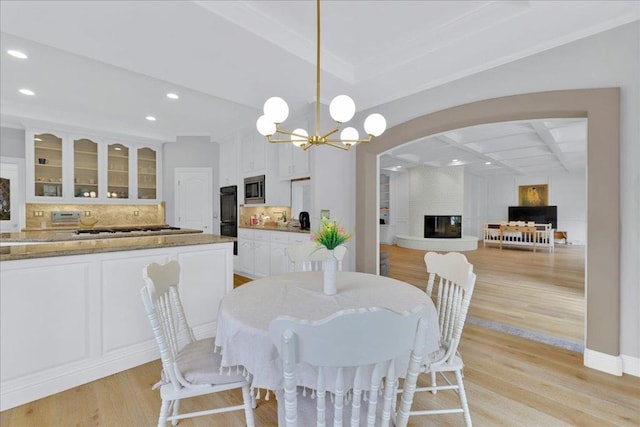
(31, 387)
(603, 362)
(631, 365)
(36, 386)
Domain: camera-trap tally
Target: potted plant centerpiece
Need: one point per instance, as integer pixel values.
(330, 235)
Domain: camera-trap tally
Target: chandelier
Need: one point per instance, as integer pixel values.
(342, 109)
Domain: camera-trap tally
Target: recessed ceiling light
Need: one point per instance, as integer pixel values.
(487, 163)
(17, 54)
(27, 92)
(151, 118)
(454, 160)
(172, 96)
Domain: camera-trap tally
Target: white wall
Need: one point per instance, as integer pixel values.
(332, 172)
(12, 142)
(399, 201)
(434, 191)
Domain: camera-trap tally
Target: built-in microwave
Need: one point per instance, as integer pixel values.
(254, 189)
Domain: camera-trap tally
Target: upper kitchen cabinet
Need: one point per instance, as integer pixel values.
(69, 167)
(228, 163)
(118, 171)
(48, 163)
(253, 149)
(293, 162)
(147, 177)
(85, 168)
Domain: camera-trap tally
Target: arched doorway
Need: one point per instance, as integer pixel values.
(602, 109)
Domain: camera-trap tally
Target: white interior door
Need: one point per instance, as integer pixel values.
(194, 198)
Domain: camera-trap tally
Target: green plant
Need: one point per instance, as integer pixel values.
(330, 234)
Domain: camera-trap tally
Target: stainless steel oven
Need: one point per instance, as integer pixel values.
(254, 190)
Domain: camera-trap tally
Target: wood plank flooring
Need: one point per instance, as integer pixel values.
(510, 381)
(538, 292)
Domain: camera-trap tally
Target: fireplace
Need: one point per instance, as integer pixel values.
(443, 226)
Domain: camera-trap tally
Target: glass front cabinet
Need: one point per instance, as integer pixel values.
(48, 164)
(70, 168)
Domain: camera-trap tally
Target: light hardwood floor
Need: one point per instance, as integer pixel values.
(510, 381)
(538, 292)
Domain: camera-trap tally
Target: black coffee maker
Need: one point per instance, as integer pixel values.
(305, 224)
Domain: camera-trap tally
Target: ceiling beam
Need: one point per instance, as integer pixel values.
(454, 143)
(545, 135)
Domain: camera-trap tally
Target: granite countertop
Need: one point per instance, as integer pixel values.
(60, 235)
(94, 246)
(274, 228)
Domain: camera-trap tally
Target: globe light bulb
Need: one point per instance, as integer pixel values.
(297, 140)
(342, 108)
(375, 124)
(276, 109)
(349, 136)
(265, 126)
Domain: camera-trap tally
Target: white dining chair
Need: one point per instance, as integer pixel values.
(190, 367)
(353, 356)
(308, 256)
(450, 284)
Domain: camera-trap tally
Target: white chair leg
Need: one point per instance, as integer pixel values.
(249, 402)
(463, 399)
(164, 412)
(176, 411)
(433, 382)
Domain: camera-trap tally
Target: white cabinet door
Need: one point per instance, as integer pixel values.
(292, 161)
(253, 153)
(228, 164)
(262, 261)
(245, 256)
(279, 259)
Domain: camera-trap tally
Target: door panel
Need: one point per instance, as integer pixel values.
(194, 200)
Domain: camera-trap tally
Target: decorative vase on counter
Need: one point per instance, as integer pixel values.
(330, 268)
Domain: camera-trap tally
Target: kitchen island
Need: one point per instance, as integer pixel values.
(70, 311)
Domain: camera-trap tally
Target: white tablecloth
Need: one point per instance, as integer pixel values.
(246, 312)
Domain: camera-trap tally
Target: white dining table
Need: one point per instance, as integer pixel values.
(245, 314)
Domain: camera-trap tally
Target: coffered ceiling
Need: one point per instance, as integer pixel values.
(554, 146)
(106, 65)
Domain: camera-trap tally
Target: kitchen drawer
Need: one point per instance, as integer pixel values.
(243, 233)
(279, 237)
(261, 235)
(297, 238)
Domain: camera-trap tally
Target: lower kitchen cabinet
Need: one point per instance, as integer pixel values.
(69, 320)
(263, 252)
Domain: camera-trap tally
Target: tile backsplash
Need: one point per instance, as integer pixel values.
(273, 212)
(38, 215)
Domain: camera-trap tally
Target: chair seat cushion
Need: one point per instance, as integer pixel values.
(307, 409)
(199, 364)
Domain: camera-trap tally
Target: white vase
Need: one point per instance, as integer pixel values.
(330, 268)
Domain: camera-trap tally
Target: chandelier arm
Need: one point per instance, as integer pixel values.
(271, 139)
(291, 133)
(352, 141)
(332, 144)
(332, 131)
